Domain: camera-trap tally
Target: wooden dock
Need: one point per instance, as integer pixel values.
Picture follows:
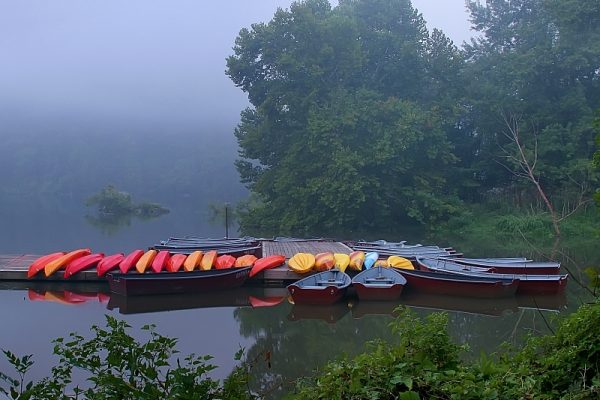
(13, 267)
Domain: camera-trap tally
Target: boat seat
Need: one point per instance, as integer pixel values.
(326, 282)
(375, 280)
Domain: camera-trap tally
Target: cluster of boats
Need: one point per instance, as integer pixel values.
(385, 279)
(377, 270)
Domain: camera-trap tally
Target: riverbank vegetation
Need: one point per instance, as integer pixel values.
(421, 361)
(400, 126)
(111, 202)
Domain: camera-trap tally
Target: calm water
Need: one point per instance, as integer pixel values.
(260, 320)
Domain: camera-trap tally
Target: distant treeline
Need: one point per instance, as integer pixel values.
(76, 158)
(362, 118)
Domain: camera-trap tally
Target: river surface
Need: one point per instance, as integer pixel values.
(260, 320)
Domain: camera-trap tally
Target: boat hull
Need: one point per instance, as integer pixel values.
(528, 284)
(177, 282)
(455, 285)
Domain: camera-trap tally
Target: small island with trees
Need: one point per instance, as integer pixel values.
(112, 203)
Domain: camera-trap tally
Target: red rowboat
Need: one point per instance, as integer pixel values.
(379, 283)
(528, 284)
(459, 285)
(322, 288)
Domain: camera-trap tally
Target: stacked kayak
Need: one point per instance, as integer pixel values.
(152, 261)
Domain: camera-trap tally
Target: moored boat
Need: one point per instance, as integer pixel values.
(459, 285)
(83, 263)
(322, 288)
(528, 284)
(177, 282)
(510, 267)
(379, 283)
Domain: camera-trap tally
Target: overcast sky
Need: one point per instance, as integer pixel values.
(139, 59)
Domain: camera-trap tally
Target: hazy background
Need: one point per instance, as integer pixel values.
(131, 93)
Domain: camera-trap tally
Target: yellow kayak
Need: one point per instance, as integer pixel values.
(193, 261)
(399, 262)
(324, 261)
(341, 261)
(357, 259)
(208, 260)
(62, 261)
(302, 262)
(145, 261)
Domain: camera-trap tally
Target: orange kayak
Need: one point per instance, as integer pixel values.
(245, 261)
(161, 261)
(208, 260)
(193, 261)
(41, 262)
(266, 263)
(225, 261)
(109, 263)
(176, 262)
(145, 261)
(129, 261)
(357, 259)
(82, 263)
(62, 261)
(324, 261)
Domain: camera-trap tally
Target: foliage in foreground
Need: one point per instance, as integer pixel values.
(423, 363)
(426, 364)
(119, 367)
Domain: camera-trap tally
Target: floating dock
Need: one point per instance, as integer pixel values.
(13, 267)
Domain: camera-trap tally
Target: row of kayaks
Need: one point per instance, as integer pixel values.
(433, 275)
(146, 261)
(303, 263)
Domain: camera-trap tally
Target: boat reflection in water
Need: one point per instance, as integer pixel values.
(330, 313)
(239, 297)
(258, 297)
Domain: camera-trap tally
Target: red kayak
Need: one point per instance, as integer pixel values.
(82, 263)
(161, 261)
(109, 263)
(176, 262)
(130, 261)
(266, 263)
(225, 261)
(41, 262)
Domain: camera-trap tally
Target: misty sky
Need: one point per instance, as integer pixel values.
(150, 60)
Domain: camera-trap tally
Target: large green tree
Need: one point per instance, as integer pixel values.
(350, 120)
(536, 61)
